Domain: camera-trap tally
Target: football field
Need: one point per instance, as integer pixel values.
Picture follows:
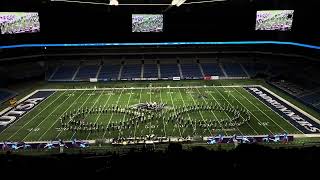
(91, 114)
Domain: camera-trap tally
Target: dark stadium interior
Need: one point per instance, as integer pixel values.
(290, 69)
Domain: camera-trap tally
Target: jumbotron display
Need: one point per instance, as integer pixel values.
(19, 22)
(147, 23)
(280, 20)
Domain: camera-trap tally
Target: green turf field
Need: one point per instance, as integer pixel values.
(43, 123)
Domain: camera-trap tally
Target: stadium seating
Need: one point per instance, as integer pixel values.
(109, 72)
(65, 73)
(254, 68)
(130, 71)
(86, 72)
(169, 71)
(150, 71)
(234, 70)
(5, 95)
(191, 71)
(311, 99)
(212, 69)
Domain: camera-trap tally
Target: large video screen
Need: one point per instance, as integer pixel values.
(280, 20)
(19, 22)
(147, 23)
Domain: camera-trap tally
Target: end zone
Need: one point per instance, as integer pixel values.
(297, 117)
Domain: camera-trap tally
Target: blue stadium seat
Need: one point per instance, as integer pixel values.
(65, 73)
(234, 70)
(169, 70)
(191, 71)
(311, 98)
(255, 68)
(109, 72)
(86, 72)
(131, 71)
(211, 69)
(5, 95)
(150, 71)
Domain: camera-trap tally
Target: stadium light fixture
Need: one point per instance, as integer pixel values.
(114, 3)
(177, 2)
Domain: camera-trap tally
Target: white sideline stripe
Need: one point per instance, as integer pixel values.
(292, 105)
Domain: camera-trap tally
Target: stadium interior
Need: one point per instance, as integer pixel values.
(158, 85)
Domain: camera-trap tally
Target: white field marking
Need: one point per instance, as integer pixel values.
(231, 105)
(174, 111)
(128, 102)
(36, 115)
(135, 125)
(193, 127)
(105, 104)
(220, 106)
(95, 102)
(9, 108)
(215, 115)
(25, 98)
(113, 113)
(199, 111)
(46, 117)
(68, 108)
(291, 105)
(260, 109)
(164, 125)
(60, 116)
(274, 112)
(143, 88)
(251, 113)
(235, 86)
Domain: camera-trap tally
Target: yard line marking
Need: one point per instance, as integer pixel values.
(78, 108)
(193, 127)
(164, 125)
(199, 111)
(215, 115)
(135, 125)
(231, 105)
(32, 117)
(90, 109)
(248, 111)
(266, 114)
(128, 102)
(47, 117)
(174, 109)
(61, 115)
(105, 104)
(112, 112)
